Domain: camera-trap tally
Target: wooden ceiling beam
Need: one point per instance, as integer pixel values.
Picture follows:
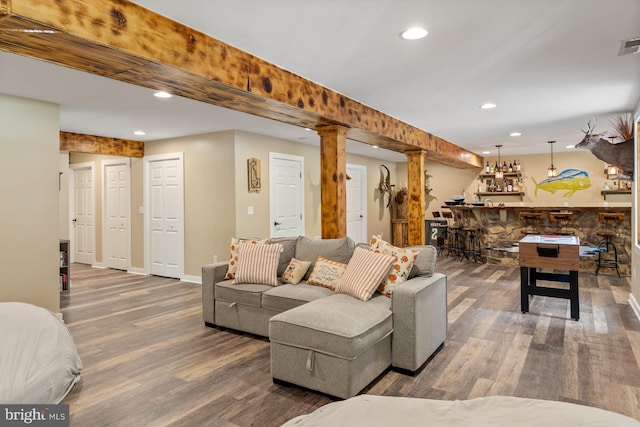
(81, 143)
(124, 41)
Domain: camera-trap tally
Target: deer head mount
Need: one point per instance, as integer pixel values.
(619, 154)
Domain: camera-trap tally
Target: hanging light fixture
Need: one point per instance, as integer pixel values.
(499, 171)
(552, 171)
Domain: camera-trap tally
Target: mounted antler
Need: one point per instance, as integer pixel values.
(590, 127)
(385, 182)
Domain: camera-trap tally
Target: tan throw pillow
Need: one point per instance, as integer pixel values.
(403, 260)
(295, 271)
(233, 256)
(258, 264)
(364, 273)
(326, 273)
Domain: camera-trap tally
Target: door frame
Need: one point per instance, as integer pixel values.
(146, 197)
(72, 209)
(273, 156)
(363, 198)
(103, 170)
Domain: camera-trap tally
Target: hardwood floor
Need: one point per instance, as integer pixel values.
(149, 360)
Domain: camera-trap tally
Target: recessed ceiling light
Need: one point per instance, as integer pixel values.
(488, 106)
(414, 33)
(570, 146)
(375, 146)
(486, 152)
(515, 134)
(162, 94)
(308, 129)
(140, 133)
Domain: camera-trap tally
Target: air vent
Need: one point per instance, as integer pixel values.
(628, 47)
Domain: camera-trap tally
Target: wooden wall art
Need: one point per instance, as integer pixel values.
(253, 167)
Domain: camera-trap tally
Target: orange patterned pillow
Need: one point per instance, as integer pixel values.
(295, 271)
(403, 260)
(233, 257)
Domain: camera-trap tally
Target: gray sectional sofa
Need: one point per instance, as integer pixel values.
(329, 342)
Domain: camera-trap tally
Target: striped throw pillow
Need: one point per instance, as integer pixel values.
(233, 255)
(363, 274)
(258, 264)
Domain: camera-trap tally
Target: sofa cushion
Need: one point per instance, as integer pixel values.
(363, 274)
(425, 264)
(242, 294)
(258, 264)
(295, 271)
(337, 325)
(288, 251)
(286, 297)
(326, 273)
(339, 250)
(233, 255)
(403, 260)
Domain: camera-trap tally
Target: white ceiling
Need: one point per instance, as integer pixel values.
(549, 65)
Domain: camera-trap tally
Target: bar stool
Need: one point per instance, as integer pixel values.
(530, 220)
(610, 222)
(471, 243)
(562, 219)
(436, 214)
(454, 238)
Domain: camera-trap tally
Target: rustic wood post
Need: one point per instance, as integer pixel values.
(415, 187)
(333, 181)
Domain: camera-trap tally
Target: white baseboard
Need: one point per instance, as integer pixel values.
(139, 271)
(98, 265)
(634, 305)
(192, 279)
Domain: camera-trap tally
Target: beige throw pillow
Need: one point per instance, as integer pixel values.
(233, 256)
(363, 273)
(326, 273)
(258, 264)
(295, 271)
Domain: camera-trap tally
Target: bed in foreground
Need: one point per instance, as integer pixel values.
(494, 411)
(39, 362)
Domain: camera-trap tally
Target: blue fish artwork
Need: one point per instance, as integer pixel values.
(569, 179)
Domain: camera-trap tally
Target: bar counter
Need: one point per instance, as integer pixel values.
(500, 228)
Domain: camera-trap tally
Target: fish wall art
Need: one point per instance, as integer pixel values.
(571, 180)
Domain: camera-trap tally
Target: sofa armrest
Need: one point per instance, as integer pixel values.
(211, 274)
(419, 320)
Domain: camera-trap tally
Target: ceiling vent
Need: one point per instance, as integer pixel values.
(628, 47)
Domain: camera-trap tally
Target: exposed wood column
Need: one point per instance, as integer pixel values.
(81, 143)
(416, 204)
(333, 181)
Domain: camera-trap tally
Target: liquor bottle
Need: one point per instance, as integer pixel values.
(518, 166)
(487, 168)
(510, 167)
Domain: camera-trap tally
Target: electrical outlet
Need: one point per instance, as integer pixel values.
(215, 259)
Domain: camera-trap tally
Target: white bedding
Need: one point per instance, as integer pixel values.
(38, 358)
(495, 411)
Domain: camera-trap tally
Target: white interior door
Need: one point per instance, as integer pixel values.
(117, 211)
(286, 189)
(357, 203)
(83, 216)
(165, 201)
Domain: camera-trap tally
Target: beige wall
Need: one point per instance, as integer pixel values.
(29, 208)
(209, 194)
(66, 178)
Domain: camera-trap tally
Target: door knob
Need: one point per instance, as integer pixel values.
(276, 223)
(74, 220)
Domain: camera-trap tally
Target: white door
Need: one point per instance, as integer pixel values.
(116, 208)
(83, 216)
(286, 189)
(357, 203)
(165, 202)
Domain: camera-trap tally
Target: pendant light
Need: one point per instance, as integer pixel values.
(499, 171)
(552, 171)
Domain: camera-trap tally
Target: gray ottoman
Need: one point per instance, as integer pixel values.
(336, 345)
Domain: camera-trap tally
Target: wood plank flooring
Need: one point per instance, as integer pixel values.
(150, 361)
